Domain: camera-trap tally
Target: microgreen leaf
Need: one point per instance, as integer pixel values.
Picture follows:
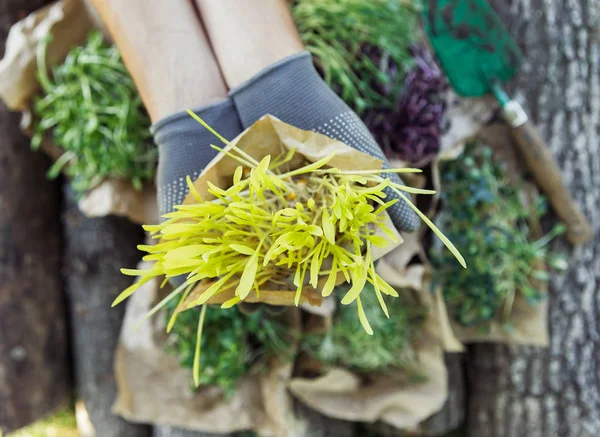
(363, 317)
(247, 279)
(196, 370)
(330, 284)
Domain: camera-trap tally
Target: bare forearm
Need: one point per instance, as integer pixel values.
(166, 51)
(247, 36)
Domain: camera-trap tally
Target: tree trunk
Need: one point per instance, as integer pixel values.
(527, 391)
(95, 250)
(34, 370)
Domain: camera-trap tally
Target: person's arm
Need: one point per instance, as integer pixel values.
(249, 35)
(170, 58)
(166, 51)
(264, 63)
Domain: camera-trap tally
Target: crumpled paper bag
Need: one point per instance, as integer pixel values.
(529, 322)
(343, 394)
(154, 388)
(69, 22)
(466, 117)
(397, 270)
(271, 136)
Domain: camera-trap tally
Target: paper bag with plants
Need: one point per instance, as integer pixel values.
(245, 361)
(80, 105)
(398, 375)
(492, 215)
(281, 217)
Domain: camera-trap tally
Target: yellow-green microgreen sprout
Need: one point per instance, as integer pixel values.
(309, 226)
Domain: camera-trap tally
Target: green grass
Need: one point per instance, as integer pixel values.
(59, 424)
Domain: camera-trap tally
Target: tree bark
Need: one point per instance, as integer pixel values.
(34, 370)
(527, 391)
(95, 250)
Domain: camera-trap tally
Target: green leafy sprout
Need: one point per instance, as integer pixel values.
(277, 226)
(232, 342)
(340, 34)
(348, 345)
(91, 105)
(484, 215)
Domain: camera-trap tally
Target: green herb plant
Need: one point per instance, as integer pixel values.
(348, 345)
(232, 343)
(361, 47)
(484, 215)
(96, 116)
(276, 225)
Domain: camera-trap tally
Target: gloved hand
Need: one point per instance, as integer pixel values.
(184, 148)
(293, 91)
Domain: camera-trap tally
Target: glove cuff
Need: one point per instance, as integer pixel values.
(291, 90)
(221, 116)
(184, 148)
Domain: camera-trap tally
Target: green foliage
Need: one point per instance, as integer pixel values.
(348, 345)
(255, 230)
(360, 46)
(486, 219)
(96, 116)
(230, 344)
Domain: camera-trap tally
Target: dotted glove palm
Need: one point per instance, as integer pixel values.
(293, 91)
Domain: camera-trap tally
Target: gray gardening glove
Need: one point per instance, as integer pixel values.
(184, 148)
(293, 91)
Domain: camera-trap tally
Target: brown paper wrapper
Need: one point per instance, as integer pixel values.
(271, 136)
(397, 401)
(154, 388)
(529, 322)
(69, 22)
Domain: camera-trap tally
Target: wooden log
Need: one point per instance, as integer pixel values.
(319, 425)
(34, 370)
(555, 392)
(95, 250)
(452, 415)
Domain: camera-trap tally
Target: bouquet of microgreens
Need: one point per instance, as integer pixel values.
(343, 35)
(277, 222)
(232, 343)
(346, 344)
(96, 116)
(412, 129)
(485, 216)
